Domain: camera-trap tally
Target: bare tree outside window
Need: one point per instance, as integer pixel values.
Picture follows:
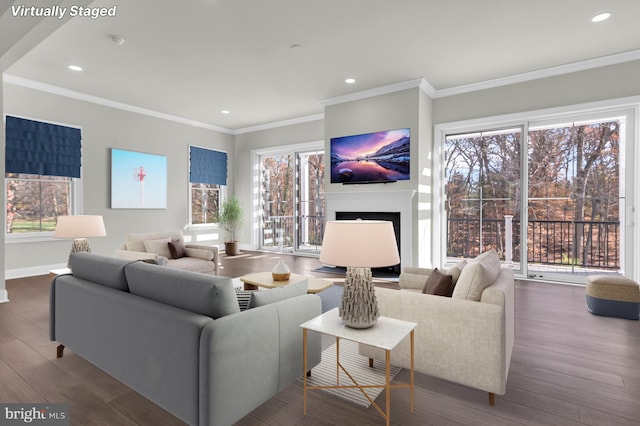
(34, 202)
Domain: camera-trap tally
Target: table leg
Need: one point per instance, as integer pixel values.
(387, 390)
(412, 371)
(337, 361)
(248, 286)
(304, 373)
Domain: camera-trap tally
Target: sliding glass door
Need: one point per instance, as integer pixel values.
(482, 186)
(553, 203)
(575, 198)
(291, 202)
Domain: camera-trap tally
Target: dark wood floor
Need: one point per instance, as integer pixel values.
(568, 368)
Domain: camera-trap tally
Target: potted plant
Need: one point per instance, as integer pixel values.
(230, 219)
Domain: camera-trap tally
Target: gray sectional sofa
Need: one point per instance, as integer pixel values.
(179, 337)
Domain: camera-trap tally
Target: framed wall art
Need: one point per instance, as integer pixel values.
(138, 180)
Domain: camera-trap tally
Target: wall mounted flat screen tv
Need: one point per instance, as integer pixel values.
(379, 157)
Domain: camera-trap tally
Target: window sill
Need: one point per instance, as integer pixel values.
(34, 237)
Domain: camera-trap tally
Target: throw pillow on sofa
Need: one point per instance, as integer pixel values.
(438, 284)
(160, 247)
(477, 275)
(176, 248)
(265, 297)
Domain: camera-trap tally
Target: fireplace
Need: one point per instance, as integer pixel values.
(393, 217)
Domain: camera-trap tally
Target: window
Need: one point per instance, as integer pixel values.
(292, 199)
(34, 202)
(207, 182)
(205, 203)
(42, 171)
(552, 202)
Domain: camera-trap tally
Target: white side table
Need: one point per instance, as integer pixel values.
(61, 271)
(385, 334)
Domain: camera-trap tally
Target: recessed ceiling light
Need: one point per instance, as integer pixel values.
(601, 17)
(75, 68)
(350, 80)
(116, 39)
(225, 111)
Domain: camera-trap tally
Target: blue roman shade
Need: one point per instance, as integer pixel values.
(207, 166)
(34, 147)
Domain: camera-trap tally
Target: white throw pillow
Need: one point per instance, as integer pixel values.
(456, 270)
(160, 247)
(477, 275)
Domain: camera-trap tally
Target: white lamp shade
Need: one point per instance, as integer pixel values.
(359, 244)
(80, 226)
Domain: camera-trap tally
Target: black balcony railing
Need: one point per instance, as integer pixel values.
(588, 244)
(278, 231)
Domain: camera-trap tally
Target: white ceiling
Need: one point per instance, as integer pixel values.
(194, 58)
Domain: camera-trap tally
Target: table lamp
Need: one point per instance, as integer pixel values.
(359, 245)
(79, 227)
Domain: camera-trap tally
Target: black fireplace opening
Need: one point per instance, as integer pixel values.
(393, 217)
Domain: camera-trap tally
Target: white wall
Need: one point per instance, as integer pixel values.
(611, 82)
(104, 128)
(407, 108)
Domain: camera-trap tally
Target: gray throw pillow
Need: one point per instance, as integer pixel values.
(265, 297)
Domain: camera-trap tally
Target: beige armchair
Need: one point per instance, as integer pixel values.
(155, 246)
(463, 341)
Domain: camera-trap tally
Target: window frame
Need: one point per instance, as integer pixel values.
(75, 207)
(600, 110)
(75, 189)
(222, 191)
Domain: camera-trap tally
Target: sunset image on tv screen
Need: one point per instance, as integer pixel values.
(371, 157)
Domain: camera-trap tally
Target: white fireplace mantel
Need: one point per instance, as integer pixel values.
(402, 201)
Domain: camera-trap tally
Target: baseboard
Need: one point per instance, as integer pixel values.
(31, 271)
(4, 296)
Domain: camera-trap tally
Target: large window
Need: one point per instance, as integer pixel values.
(291, 200)
(205, 203)
(552, 203)
(42, 166)
(207, 184)
(34, 202)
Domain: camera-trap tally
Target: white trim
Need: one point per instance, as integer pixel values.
(4, 296)
(619, 58)
(292, 148)
(276, 124)
(255, 161)
(628, 105)
(391, 88)
(55, 123)
(422, 83)
(43, 87)
(31, 271)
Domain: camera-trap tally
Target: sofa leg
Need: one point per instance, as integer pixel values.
(59, 351)
(492, 398)
(370, 362)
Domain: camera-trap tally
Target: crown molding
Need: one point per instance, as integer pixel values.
(43, 87)
(604, 61)
(384, 90)
(282, 123)
(420, 83)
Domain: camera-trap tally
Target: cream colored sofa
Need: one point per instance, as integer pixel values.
(463, 341)
(154, 246)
